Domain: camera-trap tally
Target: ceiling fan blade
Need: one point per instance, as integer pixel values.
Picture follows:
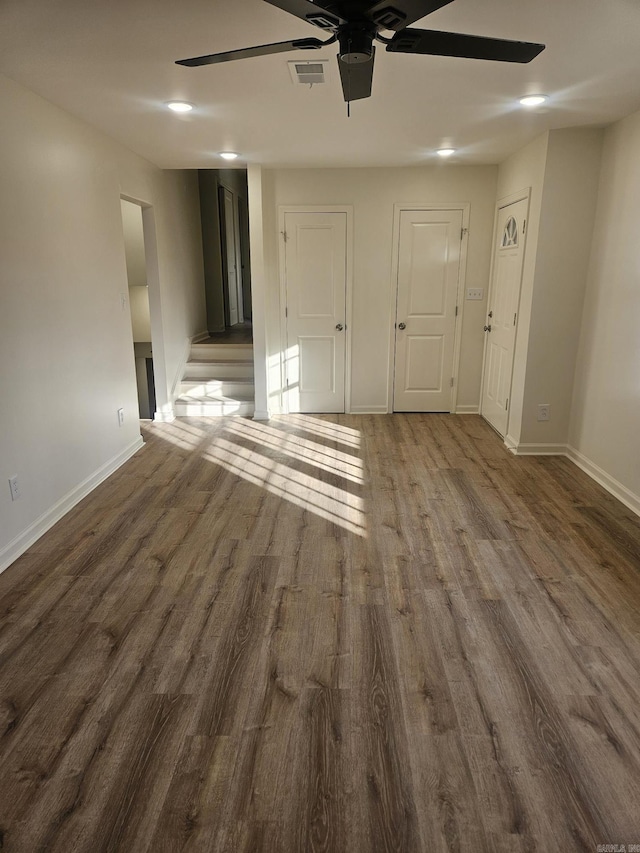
(436, 43)
(314, 13)
(356, 78)
(248, 52)
(397, 14)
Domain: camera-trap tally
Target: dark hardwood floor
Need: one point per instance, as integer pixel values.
(338, 633)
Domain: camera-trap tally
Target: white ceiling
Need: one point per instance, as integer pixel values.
(112, 64)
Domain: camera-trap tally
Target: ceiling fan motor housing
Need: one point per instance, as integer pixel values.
(356, 42)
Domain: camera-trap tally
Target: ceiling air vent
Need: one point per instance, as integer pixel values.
(308, 73)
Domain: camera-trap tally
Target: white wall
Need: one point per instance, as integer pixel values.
(263, 311)
(373, 193)
(66, 350)
(564, 245)
(562, 169)
(605, 420)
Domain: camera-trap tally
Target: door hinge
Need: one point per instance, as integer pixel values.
(456, 310)
(286, 312)
(524, 225)
(284, 236)
(451, 382)
(514, 319)
(506, 405)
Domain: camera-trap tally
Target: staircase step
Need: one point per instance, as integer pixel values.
(236, 388)
(213, 406)
(222, 352)
(219, 369)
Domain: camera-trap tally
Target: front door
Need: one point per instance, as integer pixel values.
(315, 277)
(500, 328)
(428, 273)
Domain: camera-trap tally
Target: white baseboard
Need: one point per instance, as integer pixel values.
(260, 415)
(374, 409)
(511, 444)
(613, 486)
(467, 410)
(201, 336)
(165, 417)
(535, 449)
(25, 540)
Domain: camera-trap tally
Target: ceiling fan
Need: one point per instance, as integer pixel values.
(355, 24)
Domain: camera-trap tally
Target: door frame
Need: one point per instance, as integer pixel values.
(465, 207)
(521, 195)
(245, 255)
(164, 400)
(316, 208)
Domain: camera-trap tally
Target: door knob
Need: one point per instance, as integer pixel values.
(339, 327)
(487, 328)
(402, 325)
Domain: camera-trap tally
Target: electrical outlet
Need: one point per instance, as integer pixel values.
(475, 293)
(120, 417)
(544, 411)
(15, 488)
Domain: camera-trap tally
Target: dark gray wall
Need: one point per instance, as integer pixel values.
(211, 249)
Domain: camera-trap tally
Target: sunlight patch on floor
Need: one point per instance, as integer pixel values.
(335, 462)
(182, 434)
(292, 466)
(330, 502)
(325, 429)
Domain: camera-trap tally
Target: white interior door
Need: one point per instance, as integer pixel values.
(428, 274)
(231, 257)
(500, 329)
(315, 272)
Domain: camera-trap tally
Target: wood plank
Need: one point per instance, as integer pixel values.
(328, 632)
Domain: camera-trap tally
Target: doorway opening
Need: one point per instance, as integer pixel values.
(224, 213)
(138, 297)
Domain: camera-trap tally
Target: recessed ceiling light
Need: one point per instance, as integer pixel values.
(533, 100)
(180, 106)
(446, 152)
(228, 155)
